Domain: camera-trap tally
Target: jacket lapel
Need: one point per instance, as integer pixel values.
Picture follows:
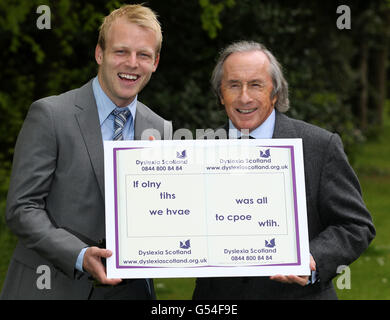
(88, 120)
(141, 122)
(283, 127)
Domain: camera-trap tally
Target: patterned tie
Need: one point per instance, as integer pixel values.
(120, 121)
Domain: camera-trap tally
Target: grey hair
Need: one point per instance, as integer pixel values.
(279, 83)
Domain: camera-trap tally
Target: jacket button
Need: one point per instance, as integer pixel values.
(102, 243)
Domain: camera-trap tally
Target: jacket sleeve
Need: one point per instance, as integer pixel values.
(348, 227)
(33, 169)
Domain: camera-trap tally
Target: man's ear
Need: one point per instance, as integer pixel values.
(273, 101)
(99, 54)
(221, 100)
(156, 61)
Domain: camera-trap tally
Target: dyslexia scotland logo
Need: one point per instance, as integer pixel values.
(270, 243)
(265, 154)
(181, 155)
(185, 244)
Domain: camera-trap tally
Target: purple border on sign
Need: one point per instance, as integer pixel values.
(118, 266)
(295, 207)
(116, 203)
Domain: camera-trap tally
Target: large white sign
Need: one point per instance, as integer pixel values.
(205, 208)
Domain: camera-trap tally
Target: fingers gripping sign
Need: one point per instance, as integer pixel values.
(301, 280)
(93, 264)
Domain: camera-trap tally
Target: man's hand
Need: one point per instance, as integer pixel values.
(92, 263)
(301, 280)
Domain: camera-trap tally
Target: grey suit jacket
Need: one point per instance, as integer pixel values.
(340, 227)
(55, 201)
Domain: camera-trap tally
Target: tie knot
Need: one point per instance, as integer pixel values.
(123, 113)
(121, 116)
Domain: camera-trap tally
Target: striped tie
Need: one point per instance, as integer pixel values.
(120, 121)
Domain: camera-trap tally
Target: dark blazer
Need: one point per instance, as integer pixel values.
(55, 201)
(340, 227)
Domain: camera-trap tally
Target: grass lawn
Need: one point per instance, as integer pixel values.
(370, 275)
(7, 245)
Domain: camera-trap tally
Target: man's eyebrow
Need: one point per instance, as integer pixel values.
(119, 46)
(233, 81)
(127, 47)
(257, 80)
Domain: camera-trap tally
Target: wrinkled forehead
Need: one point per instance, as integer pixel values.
(251, 64)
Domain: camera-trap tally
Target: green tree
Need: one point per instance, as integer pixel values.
(337, 77)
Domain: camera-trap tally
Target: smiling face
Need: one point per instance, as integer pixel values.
(127, 62)
(246, 89)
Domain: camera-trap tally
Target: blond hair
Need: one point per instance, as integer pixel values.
(135, 13)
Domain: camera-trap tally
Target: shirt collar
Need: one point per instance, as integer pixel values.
(104, 104)
(264, 131)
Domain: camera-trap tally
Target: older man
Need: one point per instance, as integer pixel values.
(250, 85)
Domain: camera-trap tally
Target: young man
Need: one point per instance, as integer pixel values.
(55, 201)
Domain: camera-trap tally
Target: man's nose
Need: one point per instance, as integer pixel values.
(245, 95)
(132, 60)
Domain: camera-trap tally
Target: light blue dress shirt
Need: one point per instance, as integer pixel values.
(105, 106)
(264, 131)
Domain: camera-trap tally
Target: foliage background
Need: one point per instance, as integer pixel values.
(337, 78)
